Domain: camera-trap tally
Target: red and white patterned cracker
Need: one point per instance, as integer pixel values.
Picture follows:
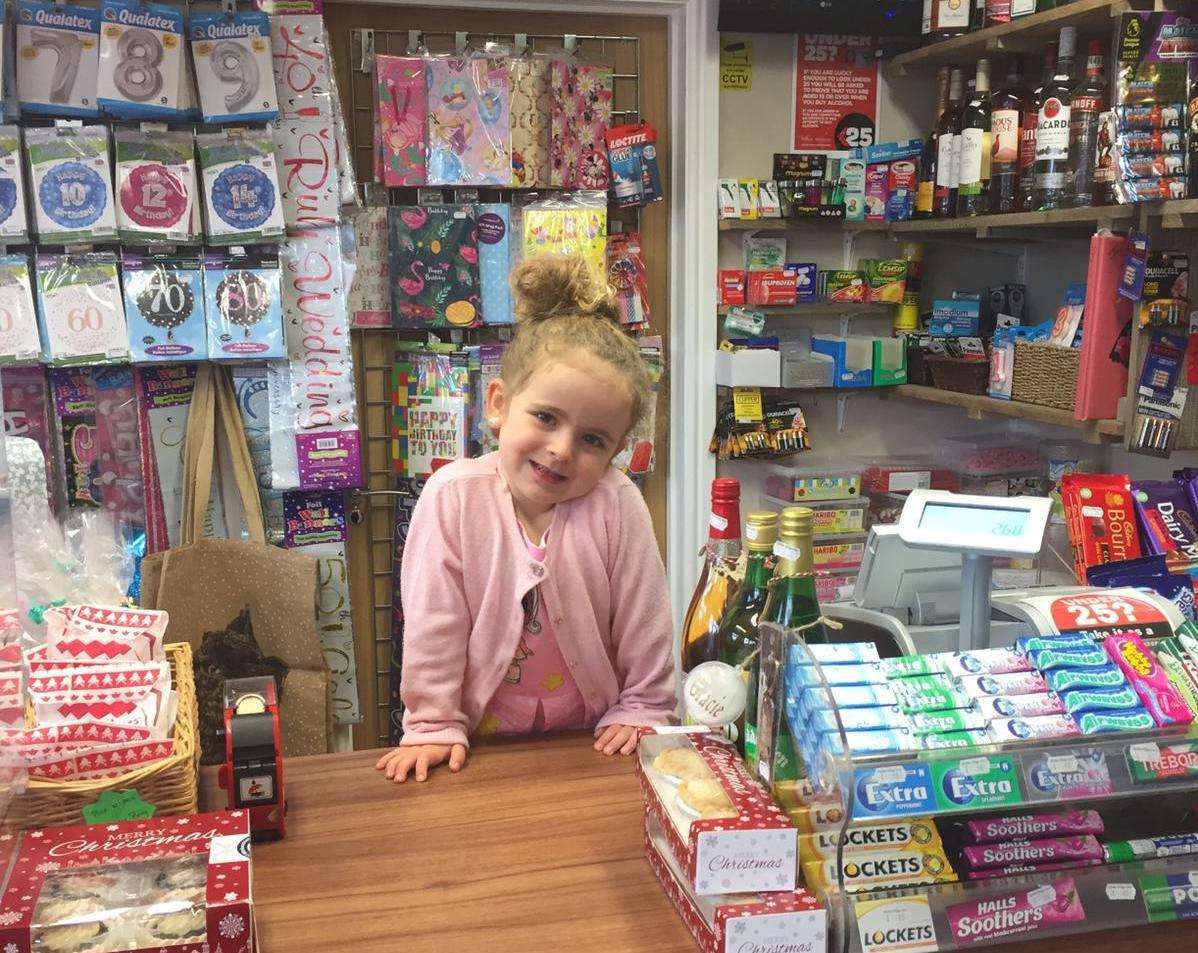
(129, 680)
(80, 734)
(139, 713)
(107, 633)
(103, 762)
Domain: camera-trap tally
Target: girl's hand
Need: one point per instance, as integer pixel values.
(613, 738)
(418, 759)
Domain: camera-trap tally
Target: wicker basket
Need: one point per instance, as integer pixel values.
(958, 375)
(1045, 374)
(170, 784)
(917, 364)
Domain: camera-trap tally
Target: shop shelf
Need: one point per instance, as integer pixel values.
(1020, 35)
(785, 224)
(815, 308)
(1093, 431)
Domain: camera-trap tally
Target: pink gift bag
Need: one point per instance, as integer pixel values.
(580, 113)
(400, 104)
(469, 121)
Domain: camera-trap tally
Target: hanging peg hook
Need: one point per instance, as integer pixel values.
(415, 40)
(521, 43)
(570, 42)
(459, 41)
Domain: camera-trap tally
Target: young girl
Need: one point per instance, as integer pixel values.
(534, 597)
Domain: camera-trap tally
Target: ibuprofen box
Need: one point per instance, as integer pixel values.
(786, 920)
(737, 839)
(177, 883)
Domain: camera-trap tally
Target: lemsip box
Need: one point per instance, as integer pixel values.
(955, 317)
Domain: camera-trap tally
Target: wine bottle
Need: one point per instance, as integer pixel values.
(1007, 107)
(972, 195)
(925, 197)
(1052, 129)
(737, 639)
(944, 203)
(716, 585)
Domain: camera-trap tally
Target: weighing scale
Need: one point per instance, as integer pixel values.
(925, 583)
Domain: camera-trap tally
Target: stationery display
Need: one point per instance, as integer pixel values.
(469, 126)
(156, 186)
(242, 306)
(19, 340)
(80, 309)
(233, 66)
(14, 226)
(580, 103)
(434, 266)
(164, 307)
(528, 76)
(400, 106)
(58, 55)
(241, 187)
(70, 176)
(143, 62)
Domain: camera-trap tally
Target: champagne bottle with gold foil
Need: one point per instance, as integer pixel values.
(716, 586)
(737, 638)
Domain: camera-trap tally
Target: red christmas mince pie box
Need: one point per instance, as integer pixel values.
(725, 831)
(180, 884)
(792, 921)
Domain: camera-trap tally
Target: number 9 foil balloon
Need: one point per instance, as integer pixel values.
(238, 82)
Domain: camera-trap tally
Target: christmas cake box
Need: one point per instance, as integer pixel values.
(792, 921)
(725, 831)
(177, 883)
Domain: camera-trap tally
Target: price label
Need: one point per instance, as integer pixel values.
(1145, 752)
(1120, 891)
(1041, 896)
(1063, 763)
(784, 551)
(746, 404)
(717, 522)
(975, 766)
(893, 774)
(118, 806)
(1088, 611)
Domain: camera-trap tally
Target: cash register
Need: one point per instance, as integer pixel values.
(926, 582)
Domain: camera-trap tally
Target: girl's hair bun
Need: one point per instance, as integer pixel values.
(552, 286)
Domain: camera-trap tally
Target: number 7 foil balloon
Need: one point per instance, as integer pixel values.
(57, 58)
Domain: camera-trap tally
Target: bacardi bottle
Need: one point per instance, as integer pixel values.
(1008, 105)
(1089, 100)
(1052, 129)
(972, 195)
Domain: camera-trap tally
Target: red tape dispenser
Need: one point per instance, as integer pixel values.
(252, 774)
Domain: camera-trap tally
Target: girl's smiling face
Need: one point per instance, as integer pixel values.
(559, 432)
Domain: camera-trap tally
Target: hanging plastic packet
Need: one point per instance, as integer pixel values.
(430, 408)
(494, 262)
(80, 309)
(638, 457)
(14, 226)
(580, 95)
(19, 340)
(528, 76)
(1164, 298)
(156, 186)
(58, 55)
(469, 125)
(241, 187)
(400, 98)
(70, 175)
(243, 307)
(632, 155)
(142, 59)
(573, 223)
(233, 66)
(164, 305)
(627, 275)
(75, 434)
(434, 266)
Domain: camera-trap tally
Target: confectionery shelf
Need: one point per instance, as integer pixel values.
(977, 406)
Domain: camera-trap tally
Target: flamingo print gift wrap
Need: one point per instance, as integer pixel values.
(469, 121)
(434, 266)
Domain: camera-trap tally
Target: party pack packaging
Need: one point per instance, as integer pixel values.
(70, 176)
(155, 186)
(233, 66)
(142, 60)
(19, 340)
(14, 223)
(58, 55)
(80, 309)
(434, 266)
(243, 308)
(241, 187)
(469, 130)
(164, 306)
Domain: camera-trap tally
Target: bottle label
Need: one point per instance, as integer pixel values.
(1027, 141)
(717, 522)
(944, 161)
(998, 11)
(973, 142)
(925, 26)
(1084, 107)
(786, 551)
(952, 15)
(1004, 130)
(1052, 131)
(923, 198)
(954, 174)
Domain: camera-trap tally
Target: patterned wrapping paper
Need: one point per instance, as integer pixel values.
(400, 104)
(370, 291)
(434, 266)
(469, 124)
(530, 119)
(408, 491)
(580, 112)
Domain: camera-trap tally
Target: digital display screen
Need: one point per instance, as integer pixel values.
(974, 520)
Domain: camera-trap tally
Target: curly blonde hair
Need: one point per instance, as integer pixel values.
(563, 305)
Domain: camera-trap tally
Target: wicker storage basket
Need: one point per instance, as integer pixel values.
(170, 784)
(1045, 374)
(959, 375)
(917, 364)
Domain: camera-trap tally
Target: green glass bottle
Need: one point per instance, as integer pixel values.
(792, 602)
(737, 638)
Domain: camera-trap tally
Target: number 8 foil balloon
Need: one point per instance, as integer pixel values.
(57, 58)
(242, 307)
(141, 60)
(80, 309)
(233, 66)
(71, 178)
(164, 302)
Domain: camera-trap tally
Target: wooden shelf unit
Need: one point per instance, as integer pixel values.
(786, 224)
(1022, 35)
(814, 308)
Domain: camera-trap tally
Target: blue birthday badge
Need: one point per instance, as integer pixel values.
(72, 195)
(243, 197)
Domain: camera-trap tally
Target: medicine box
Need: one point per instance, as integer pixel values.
(955, 317)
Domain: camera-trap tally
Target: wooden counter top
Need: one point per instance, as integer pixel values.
(535, 846)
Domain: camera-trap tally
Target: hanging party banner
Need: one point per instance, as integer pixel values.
(836, 91)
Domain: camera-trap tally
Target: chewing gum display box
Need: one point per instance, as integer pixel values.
(786, 920)
(752, 848)
(177, 883)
